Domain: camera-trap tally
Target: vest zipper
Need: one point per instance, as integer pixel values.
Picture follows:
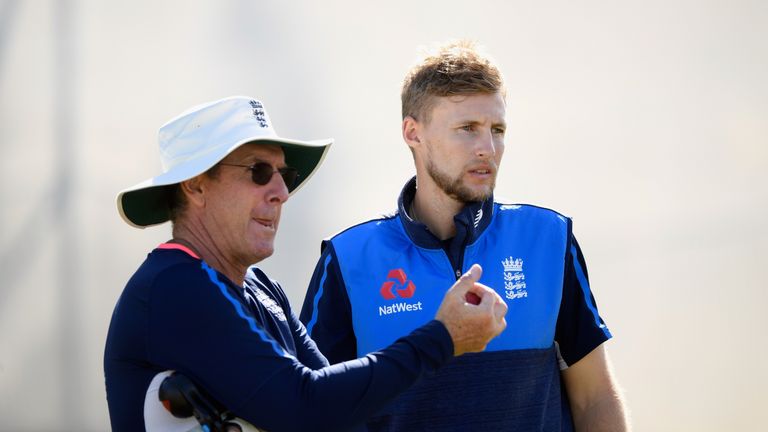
(460, 262)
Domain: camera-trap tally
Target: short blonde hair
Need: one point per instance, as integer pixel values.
(456, 68)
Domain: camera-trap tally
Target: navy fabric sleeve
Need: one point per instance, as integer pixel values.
(306, 350)
(579, 329)
(344, 395)
(200, 328)
(327, 312)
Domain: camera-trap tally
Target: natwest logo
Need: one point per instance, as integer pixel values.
(397, 282)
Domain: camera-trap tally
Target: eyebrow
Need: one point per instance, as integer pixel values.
(475, 122)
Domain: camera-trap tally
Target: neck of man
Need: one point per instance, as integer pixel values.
(195, 237)
(432, 207)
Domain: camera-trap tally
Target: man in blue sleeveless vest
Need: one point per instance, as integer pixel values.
(226, 174)
(378, 280)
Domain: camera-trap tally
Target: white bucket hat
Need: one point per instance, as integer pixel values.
(198, 139)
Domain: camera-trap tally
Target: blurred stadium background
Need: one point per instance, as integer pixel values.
(645, 121)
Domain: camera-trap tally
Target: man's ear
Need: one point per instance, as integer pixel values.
(193, 190)
(411, 132)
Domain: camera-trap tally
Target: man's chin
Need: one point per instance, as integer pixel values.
(468, 195)
(262, 253)
(479, 190)
(463, 189)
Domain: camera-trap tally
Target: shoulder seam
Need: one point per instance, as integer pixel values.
(381, 218)
(532, 206)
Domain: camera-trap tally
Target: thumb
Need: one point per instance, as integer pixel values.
(468, 279)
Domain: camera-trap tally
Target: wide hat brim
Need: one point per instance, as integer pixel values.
(146, 203)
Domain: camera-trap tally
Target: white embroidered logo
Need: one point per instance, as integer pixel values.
(514, 278)
(478, 217)
(265, 301)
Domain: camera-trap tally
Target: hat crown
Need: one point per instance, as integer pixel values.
(206, 128)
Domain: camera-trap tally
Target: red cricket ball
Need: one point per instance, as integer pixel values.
(472, 298)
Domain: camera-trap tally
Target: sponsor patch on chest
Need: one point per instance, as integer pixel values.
(397, 285)
(399, 307)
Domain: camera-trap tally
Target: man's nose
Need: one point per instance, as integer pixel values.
(278, 190)
(484, 146)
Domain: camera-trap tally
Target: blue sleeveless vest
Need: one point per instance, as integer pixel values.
(395, 286)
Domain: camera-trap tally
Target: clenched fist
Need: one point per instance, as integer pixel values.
(472, 313)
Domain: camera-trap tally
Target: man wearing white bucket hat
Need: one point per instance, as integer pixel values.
(186, 309)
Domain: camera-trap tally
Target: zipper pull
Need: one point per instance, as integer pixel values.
(458, 274)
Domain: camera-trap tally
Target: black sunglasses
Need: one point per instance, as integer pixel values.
(262, 172)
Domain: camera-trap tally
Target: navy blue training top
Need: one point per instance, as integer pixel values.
(247, 349)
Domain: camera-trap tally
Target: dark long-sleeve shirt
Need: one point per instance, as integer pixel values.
(248, 350)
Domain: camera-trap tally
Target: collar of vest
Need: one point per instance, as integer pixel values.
(470, 222)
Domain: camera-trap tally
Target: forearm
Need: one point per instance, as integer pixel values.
(346, 394)
(605, 414)
(595, 398)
